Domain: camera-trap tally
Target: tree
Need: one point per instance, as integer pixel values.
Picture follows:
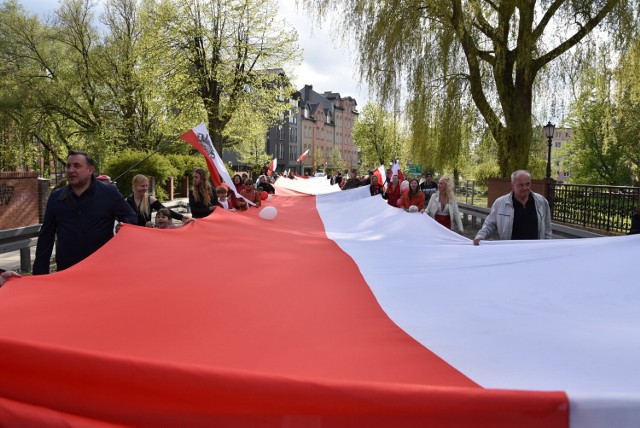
(222, 52)
(335, 161)
(251, 150)
(627, 96)
(375, 134)
(595, 154)
(63, 74)
(318, 159)
(494, 50)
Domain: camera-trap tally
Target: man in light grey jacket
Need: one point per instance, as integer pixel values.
(521, 214)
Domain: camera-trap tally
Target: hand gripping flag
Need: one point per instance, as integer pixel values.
(199, 138)
(303, 156)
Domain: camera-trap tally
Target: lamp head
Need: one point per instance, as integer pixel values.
(548, 129)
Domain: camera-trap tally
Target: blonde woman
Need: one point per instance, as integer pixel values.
(143, 203)
(443, 206)
(202, 199)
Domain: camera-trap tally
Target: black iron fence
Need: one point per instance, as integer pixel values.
(606, 208)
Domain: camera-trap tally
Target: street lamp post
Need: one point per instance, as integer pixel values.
(549, 128)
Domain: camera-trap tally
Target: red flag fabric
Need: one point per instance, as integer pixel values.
(303, 156)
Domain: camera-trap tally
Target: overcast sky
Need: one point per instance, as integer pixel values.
(327, 64)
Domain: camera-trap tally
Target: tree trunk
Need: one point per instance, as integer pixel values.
(514, 141)
(215, 127)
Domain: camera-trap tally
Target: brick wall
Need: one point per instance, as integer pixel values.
(501, 186)
(21, 199)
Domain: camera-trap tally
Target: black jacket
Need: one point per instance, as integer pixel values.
(351, 183)
(198, 208)
(82, 224)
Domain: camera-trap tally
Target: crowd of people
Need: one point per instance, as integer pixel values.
(84, 212)
(428, 197)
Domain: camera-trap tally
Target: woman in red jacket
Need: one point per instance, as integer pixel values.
(413, 196)
(393, 192)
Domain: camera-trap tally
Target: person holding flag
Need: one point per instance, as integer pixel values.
(392, 193)
(199, 138)
(272, 166)
(202, 200)
(379, 173)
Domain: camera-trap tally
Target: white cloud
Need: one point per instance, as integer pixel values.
(327, 65)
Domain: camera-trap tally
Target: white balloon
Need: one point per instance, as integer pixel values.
(413, 209)
(404, 185)
(268, 213)
(269, 197)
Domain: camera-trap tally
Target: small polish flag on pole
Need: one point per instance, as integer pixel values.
(395, 170)
(272, 166)
(303, 156)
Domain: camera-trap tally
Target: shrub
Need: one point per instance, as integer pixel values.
(157, 166)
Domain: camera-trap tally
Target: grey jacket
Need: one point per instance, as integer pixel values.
(501, 218)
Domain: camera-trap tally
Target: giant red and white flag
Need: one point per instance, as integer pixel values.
(303, 156)
(442, 334)
(199, 138)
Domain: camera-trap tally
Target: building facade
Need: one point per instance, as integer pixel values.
(561, 136)
(320, 123)
(325, 124)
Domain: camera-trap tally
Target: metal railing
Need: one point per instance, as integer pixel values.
(606, 208)
(22, 239)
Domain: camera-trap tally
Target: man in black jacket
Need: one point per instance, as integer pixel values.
(81, 215)
(353, 181)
